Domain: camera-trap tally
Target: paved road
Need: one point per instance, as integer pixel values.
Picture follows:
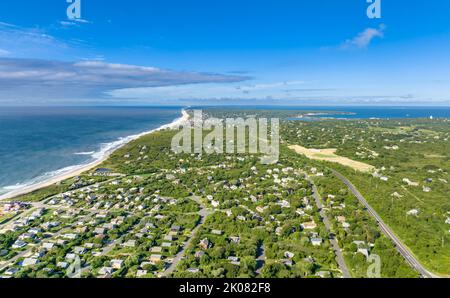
(260, 259)
(403, 249)
(337, 250)
(180, 255)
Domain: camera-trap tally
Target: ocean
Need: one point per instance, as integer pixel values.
(384, 112)
(38, 143)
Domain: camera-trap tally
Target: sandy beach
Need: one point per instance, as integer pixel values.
(83, 168)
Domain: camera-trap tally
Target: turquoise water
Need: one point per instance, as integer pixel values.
(40, 142)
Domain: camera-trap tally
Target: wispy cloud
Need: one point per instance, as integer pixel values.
(31, 42)
(74, 22)
(4, 53)
(363, 39)
(34, 80)
(218, 91)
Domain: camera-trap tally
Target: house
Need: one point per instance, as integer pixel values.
(34, 231)
(25, 236)
(409, 182)
(284, 204)
(413, 212)
(116, 264)
(62, 265)
(233, 258)
(340, 219)
(300, 212)
(261, 209)
(71, 256)
(39, 254)
(49, 225)
(29, 262)
(11, 271)
(156, 249)
(89, 245)
(345, 225)
(155, 258)
(216, 232)
(58, 212)
(109, 226)
(193, 270)
(19, 244)
(166, 244)
(48, 245)
(278, 231)
(215, 204)
(70, 236)
(105, 271)
(308, 207)
(323, 274)
(308, 225)
(141, 273)
(288, 254)
(316, 241)
(396, 195)
(91, 197)
(204, 244)
(129, 243)
(79, 250)
(168, 238)
(235, 239)
(103, 172)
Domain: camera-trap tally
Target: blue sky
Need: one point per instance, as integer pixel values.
(305, 52)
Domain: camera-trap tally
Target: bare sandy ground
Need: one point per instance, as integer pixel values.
(330, 155)
(79, 170)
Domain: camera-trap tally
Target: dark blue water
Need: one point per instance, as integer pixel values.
(37, 141)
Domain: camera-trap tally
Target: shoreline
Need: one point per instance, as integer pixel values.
(79, 169)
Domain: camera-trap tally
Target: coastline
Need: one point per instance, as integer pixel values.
(77, 170)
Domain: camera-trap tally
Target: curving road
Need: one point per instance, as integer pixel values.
(402, 248)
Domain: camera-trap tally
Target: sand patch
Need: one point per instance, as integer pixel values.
(330, 155)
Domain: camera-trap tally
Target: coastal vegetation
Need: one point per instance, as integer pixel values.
(149, 212)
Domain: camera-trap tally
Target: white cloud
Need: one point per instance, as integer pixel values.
(74, 22)
(218, 91)
(363, 39)
(35, 42)
(33, 78)
(4, 53)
